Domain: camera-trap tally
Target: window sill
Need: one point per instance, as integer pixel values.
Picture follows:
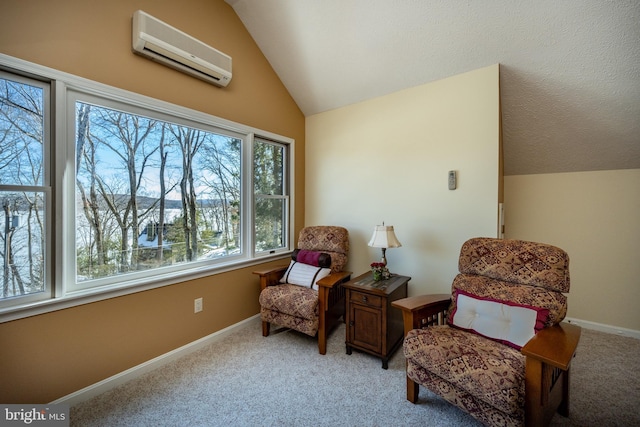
(77, 298)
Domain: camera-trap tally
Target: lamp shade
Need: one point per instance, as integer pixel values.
(384, 237)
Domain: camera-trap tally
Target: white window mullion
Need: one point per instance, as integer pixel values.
(63, 195)
(248, 196)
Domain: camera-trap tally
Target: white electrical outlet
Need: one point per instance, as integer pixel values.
(197, 305)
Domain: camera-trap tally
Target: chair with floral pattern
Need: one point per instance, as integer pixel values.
(307, 295)
(495, 346)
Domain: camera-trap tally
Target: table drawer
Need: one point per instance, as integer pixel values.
(364, 298)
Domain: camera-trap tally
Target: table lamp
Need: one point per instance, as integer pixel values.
(384, 237)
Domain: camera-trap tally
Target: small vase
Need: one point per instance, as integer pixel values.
(377, 276)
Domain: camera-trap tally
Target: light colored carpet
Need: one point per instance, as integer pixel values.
(245, 379)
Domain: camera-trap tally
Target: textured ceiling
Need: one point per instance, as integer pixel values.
(570, 70)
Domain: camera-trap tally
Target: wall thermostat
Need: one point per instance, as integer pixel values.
(453, 180)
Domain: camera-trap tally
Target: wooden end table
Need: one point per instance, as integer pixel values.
(373, 326)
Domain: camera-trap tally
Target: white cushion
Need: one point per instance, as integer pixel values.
(304, 274)
(504, 321)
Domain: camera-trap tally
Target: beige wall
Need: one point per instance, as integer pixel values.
(48, 356)
(594, 217)
(387, 159)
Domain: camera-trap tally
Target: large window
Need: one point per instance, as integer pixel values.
(145, 193)
(24, 189)
(150, 193)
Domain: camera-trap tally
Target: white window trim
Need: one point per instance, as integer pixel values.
(61, 298)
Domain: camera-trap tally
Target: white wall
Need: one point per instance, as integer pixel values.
(594, 216)
(387, 159)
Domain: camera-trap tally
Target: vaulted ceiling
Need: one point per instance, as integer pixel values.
(569, 70)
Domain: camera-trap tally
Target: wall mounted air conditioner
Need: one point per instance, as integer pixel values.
(168, 45)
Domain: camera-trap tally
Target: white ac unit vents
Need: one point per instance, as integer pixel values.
(168, 45)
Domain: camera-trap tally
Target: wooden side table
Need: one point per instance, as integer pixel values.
(373, 326)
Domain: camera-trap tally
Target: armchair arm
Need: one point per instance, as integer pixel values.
(333, 279)
(423, 310)
(547, 367)
(326, 284)
(271, 276)
(554, 345)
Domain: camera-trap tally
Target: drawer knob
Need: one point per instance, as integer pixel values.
(364, 298)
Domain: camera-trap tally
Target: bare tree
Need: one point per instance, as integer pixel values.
(222, 159)
(86, 155)
(163, 193)
(125, 136)
(190, 141)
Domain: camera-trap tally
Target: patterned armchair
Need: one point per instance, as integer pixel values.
(495, 347)
(307, 295)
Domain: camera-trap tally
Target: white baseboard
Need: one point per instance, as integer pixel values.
(122, 377)
(616, 330)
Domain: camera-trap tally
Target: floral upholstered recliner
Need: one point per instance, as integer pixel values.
(307, 295)
(495, 347)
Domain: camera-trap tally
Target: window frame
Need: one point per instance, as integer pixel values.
(45, 188)
(64, 89)
(285, 196)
